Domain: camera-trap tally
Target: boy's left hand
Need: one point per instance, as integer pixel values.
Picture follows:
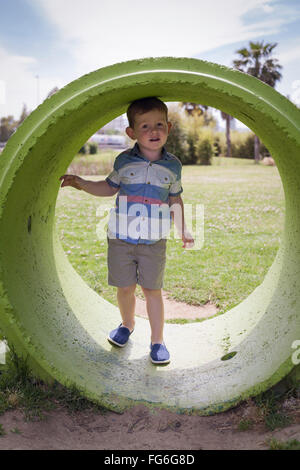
(188, 241)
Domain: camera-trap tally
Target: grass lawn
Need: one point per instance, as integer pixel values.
(243, 222)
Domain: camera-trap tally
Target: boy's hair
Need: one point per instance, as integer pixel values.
(144, 105)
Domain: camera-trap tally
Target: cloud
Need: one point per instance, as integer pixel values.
(267, 8)
(97, 33)
(19, 83)
(16, 91)
(289, 54)
(106, 32)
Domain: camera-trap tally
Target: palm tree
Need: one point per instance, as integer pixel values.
(256, 61)
(195, 109)
(227, 118)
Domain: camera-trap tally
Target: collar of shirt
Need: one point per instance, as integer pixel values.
(136, 151)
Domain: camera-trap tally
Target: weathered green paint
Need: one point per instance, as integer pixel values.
(51, 315)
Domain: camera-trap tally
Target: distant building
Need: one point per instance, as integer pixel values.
(109, 140)
(119, 124)
(112, 134)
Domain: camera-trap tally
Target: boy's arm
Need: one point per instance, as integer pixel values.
(97, 188)
(177, 212)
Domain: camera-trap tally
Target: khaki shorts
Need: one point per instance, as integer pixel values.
(136, 264)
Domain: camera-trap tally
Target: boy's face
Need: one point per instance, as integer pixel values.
(150, 129)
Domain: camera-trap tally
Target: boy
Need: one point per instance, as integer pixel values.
(147, 177)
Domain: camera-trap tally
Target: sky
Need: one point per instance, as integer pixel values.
(49, 43)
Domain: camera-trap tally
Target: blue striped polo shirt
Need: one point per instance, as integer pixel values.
(142, 212)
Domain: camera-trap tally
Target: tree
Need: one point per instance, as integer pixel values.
(53, 91)
(227, 118)
(7, 128)
(8, 124)
(24, 114)
(195, 109)
(257, 61)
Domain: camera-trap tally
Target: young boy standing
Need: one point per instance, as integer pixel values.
(148, 180)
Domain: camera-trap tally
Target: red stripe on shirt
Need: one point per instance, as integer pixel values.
(144, 199)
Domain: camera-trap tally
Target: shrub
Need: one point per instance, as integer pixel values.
(200, 139)
(93, 149)
(186, 137)
(242, 145)
(195, 142)
(217, 150)
(176, 140)
(83, 149)
(204, 152)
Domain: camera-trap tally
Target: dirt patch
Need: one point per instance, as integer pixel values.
(142, 428)
(174, 309)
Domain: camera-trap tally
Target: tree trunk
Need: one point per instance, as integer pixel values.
(256, 149)
(228, 140)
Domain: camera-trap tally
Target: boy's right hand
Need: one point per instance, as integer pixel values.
(71, 180)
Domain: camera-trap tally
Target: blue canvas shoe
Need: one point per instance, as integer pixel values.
(159, 353)
(119, 336)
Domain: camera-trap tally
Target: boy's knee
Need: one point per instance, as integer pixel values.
(151, 292)
(127, 289)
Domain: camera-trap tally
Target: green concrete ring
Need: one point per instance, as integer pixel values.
(49, 314)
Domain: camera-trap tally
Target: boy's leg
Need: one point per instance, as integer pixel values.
(126, 301)
(155, 310)
(122, 270)
(151, 266)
